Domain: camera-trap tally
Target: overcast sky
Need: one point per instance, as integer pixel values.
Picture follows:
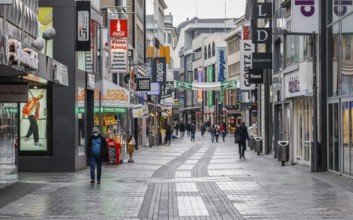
(182, 9)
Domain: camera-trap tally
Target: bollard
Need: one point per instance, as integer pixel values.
(283, 151)
(258, 145)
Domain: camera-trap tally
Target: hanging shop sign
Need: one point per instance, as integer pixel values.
(14, 93)
(246, 32)
(167, 110)
(83, 16)
(143, 84)
(118, 55)
(262, 10)
(262, 35)
(305, 16)
(24, 57)
(130, 54)
(167, 90)
(209, 86)
(221, 63)
(118, 28)
(262, 60)
(114, 95)
(256, 76)
(90, 81)
(246, 51)
(298, 82)
(159, 70)
(137, 111)
(57, 72)
(155, 89)
(210, 80)
(199, 79)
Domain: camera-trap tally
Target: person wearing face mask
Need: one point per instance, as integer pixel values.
(96, 151)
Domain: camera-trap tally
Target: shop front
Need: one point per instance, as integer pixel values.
(25, 113)
(297, 113)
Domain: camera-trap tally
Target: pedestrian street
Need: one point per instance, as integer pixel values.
(186, 180)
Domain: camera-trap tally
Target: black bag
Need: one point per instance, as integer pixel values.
(237, 140)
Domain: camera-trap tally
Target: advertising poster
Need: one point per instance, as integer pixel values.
(33, 123)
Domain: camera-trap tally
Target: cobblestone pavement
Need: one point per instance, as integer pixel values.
(186, 180)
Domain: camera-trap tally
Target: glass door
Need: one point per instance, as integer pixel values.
(333, 137)
(347, 139)
(8, 143)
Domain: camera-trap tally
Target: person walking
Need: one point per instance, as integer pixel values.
(168, 134)
(217, 132)
(188, 129)
(242, 135)
(176, 128)
(96, 151)
(192, 131)
(203, 129)
(212, 131)
(222, 132)
(182, 129)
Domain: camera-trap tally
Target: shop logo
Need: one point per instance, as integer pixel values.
(25, 57)
(307, 7)
(222, 67)
(340, 7)
(160, 71)
(118, 28)
(83, 25)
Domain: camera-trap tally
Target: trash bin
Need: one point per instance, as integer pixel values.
(283, 151)
(258, 145)
(251, 142)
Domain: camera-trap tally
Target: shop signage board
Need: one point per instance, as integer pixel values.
(298, 82)
(24, 57)
(6, 2)
(262, 35)
(256, 76)
(130, 54)
(262, 60)
(210, 79)
(339, 10)
(159, 70)
(143, 84)
(118, 28)
(14, 93)
(262, 10)
(118, 55)
(221, 63)
(199, 79)
(167, 90)
(246, 51)
(90, 81)
(83, 16)
(137, 111)
(114, 95)
(155, 89)
(305, 16)
(209, 86)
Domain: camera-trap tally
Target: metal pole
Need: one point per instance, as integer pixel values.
(314, 153)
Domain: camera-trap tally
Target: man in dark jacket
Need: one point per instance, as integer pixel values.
(182, 129)
(242, 135)
(96, 152)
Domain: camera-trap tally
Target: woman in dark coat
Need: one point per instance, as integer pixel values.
(242, 135)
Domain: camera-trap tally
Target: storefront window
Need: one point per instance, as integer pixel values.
(347, 58)
(81, 117)
(332, 64)
(297, 49)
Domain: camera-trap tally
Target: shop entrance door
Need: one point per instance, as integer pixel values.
(333, 137)
(347, 139)
(304, 131)
(8, 143)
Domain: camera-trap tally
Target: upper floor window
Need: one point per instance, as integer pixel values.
(213, 50)
(233, 46)
(209, 51)
(197, 54)
(205, 53)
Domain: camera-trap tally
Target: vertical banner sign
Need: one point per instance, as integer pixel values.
(83, 17)
(159, 71)
(246, 32)
(199, 79)
(210, 79)
(221, 63)
(305, 16)
(246, 50)
(262, 10)
(118, 55)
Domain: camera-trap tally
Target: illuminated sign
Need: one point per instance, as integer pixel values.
(118, 28)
